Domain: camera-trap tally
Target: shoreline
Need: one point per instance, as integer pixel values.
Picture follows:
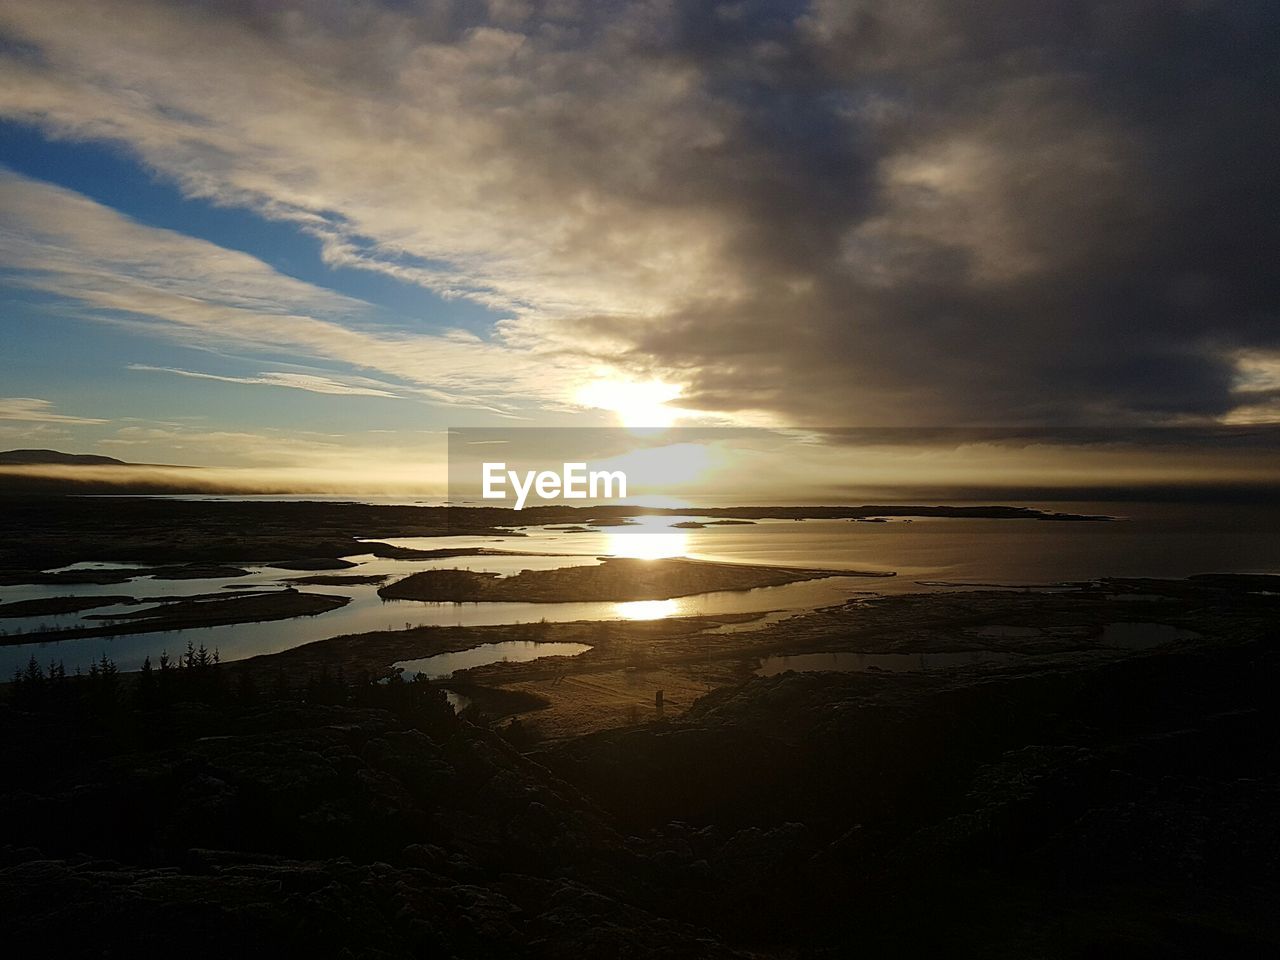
(689, 655)
(40, 533)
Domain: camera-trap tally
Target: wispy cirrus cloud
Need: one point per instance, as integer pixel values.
(33, 410)
(294, 381)
(119, 271)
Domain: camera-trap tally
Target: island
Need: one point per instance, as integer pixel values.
(614, 579)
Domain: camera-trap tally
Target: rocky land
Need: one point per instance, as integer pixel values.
(615, 579)
(1088, 794)
(38, 534)
(169, 613)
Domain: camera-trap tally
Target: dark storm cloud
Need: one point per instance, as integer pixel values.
(995, 212)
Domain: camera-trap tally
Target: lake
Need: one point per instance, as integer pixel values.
(1155, 540)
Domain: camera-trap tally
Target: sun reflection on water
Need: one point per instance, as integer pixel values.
(646, 609)
(640, 544)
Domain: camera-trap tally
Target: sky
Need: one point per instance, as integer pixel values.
(311, 237)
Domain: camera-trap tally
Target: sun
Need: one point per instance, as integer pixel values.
(636, 403)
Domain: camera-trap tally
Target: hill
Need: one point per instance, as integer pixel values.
(25, 458)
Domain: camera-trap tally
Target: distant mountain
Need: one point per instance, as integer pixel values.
(54, 473)
(26, 458)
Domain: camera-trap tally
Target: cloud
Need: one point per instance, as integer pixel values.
(272, 460)
(351, 481)
(1014, 211)
(120, 271)
(33, 435)
(295, 381)
(267, 447)
(32, 410)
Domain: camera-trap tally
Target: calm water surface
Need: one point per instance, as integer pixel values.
(510, 651)
(1151, 540)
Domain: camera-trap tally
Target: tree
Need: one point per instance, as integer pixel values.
(103, 683)
(28, 685)
(146, 691)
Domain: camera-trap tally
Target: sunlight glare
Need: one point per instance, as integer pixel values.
(646, 609)
(639, 545)
(661, 468)
(635, 403)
